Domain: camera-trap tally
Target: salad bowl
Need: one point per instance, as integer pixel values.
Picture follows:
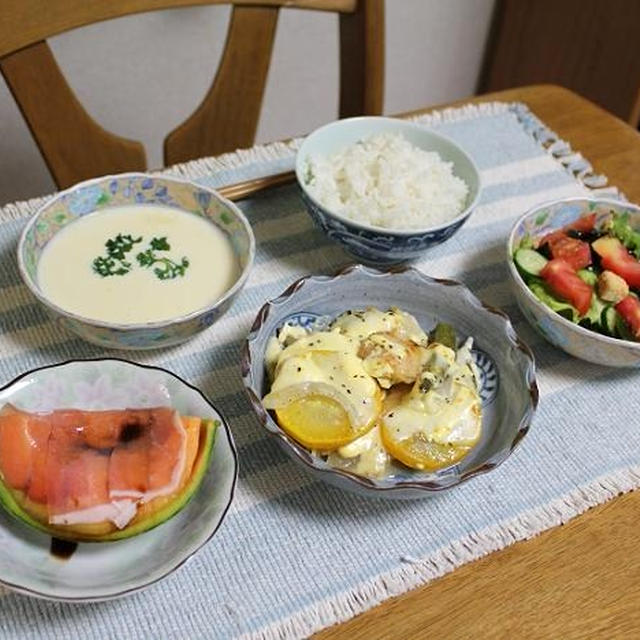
(572, 338)
(508, 386)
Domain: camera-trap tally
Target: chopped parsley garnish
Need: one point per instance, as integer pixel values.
(115, 263)
(167, 268)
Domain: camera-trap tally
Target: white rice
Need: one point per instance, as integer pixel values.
(386, 181)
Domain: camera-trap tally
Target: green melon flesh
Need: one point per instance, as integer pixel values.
(200, 465)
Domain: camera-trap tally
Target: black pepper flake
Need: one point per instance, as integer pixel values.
(391, 415)
(299, 369)
(349, 391)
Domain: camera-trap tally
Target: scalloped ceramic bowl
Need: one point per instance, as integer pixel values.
(105, 570)
(509, 390)
(560, 332)
(378, 245)
(135, 189)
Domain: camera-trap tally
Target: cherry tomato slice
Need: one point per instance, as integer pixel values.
(629, 309)
(564, 283)
(576, 252)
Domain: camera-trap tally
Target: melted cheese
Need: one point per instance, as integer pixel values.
(365, 456)
(361, 324)
(444, 405)
(325, 363)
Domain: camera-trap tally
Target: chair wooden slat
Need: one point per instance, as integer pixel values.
(362, 60)
(73, 145)
(25, 22)
(228, 116)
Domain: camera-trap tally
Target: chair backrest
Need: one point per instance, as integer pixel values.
(75, 147)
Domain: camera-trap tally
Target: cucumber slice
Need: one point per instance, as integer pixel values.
(588, 276)
(529, 261)
(622, 330)
(610, 318)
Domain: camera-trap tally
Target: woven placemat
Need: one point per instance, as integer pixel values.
(294, 555)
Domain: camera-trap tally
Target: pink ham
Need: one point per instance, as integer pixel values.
(92, 466)
(15, 448)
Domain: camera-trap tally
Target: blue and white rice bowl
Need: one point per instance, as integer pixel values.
(369, 243)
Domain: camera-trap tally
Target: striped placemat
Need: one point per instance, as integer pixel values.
(294, 555)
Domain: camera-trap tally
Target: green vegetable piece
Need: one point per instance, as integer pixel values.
(563, 308)
(115, 263)
(610, 319)
(622, 330)
(444, 334)
(621, 229)
(587, 276)
(594, 315)
(165, 268)
(529, 262)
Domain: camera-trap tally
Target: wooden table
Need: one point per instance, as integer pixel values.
(581, 580)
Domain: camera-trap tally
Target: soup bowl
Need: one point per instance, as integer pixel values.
(135, 189)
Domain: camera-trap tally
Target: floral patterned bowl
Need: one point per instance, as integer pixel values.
(378, 245)
(131, 189)
(572, 338)
(102, 571)
(508, 390)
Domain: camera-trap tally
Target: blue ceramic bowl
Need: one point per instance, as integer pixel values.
(572, 338)
(378, 245)
(134, 189)
(509, 392)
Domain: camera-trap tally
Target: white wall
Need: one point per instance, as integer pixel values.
(142, 75)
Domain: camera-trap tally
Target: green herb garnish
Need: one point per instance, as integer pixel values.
(115, 263)
(167, 269)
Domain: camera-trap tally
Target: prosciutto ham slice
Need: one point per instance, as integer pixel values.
(92, 467)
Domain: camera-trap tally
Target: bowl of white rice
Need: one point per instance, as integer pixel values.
(386, 189)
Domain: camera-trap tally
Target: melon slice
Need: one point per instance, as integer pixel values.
(100, 475)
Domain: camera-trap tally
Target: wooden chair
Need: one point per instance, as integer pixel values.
(75, 147)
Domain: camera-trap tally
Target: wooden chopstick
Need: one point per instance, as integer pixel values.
(249, 187)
